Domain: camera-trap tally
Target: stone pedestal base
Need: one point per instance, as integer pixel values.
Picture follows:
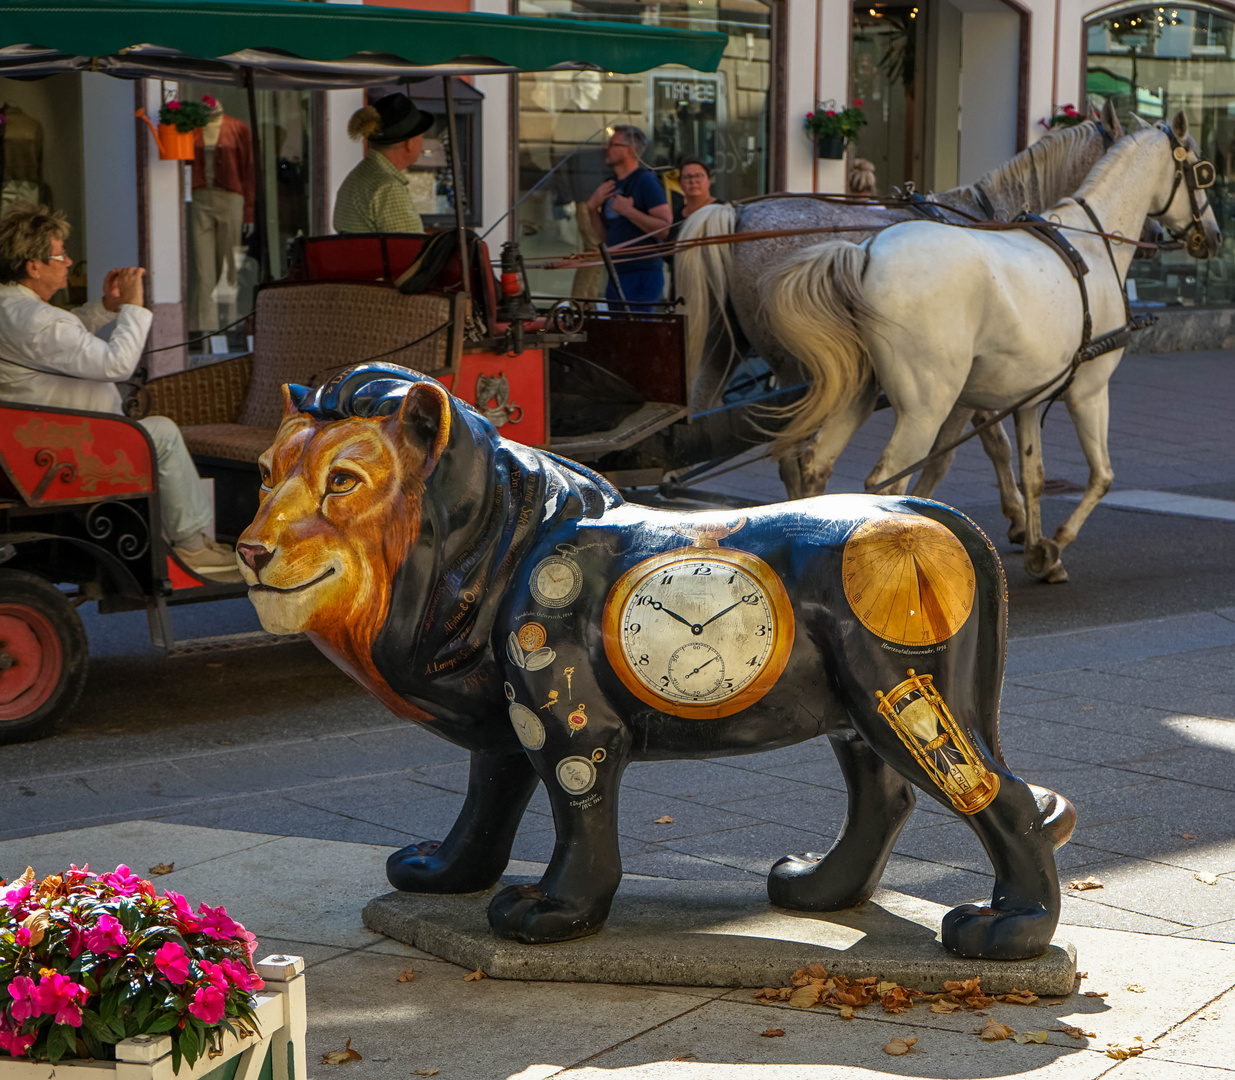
(710, 933)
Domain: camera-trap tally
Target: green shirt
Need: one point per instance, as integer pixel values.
(374, 198)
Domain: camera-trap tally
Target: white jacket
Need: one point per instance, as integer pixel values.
(67, 359)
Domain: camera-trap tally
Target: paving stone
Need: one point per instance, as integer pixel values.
(710, 782)
(1160, 891)
(676, 865)
(713, 934)
(287, 818)
(753, 847)
(1158, 836)
(1097, 684)
(1115, 717)
(1204, 1039)
(1087, 744)
(638, 809)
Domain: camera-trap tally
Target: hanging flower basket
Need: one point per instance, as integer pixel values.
(177, 122)
(830, 146)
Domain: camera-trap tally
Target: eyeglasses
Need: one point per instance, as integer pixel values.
(56, 258)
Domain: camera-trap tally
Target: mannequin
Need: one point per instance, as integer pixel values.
(21, 158)
(222, 204)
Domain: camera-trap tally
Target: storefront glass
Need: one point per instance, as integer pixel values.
(41, 160)
(1155, 61)
(221, 242)
(720, 117)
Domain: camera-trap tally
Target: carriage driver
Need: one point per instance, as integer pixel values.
(73, 359)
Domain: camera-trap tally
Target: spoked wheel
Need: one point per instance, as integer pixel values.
(43, 656)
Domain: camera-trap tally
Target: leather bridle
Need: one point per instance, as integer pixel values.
(1197, 176)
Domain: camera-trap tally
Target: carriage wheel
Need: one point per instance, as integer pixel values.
(43, 656)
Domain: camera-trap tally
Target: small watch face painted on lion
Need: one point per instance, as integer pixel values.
(339, 507)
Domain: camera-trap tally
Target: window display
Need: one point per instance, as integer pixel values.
(1154, 61)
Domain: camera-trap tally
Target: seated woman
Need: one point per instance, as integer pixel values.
(73, 360)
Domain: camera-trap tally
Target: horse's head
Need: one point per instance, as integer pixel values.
(1186, 213)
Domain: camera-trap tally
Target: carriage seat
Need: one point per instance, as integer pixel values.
(304, 331)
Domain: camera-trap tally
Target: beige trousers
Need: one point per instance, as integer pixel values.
(215, 220)
(589, 280)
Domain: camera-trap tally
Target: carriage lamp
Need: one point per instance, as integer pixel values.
(516, 303)
(920, 717)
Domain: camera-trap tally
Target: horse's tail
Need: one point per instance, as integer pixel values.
(702, 276)
(813, 304)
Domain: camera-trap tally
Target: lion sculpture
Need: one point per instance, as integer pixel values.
(511, 602)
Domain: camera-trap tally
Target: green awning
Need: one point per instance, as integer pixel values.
(290, 42)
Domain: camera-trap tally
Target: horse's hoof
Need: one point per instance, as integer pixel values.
(805, 883)
(1057, 575)
(419, 868)
(525, 913)
(984, 933)
(1016, 535)
(1041, 559)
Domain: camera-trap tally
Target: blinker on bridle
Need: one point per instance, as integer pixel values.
(1196, 177)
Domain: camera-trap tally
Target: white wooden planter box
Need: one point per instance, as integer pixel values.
(277, 1055)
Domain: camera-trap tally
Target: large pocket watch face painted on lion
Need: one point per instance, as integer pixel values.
(700, 631)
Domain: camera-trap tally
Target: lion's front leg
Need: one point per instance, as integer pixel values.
(581, 761)
(474, 854)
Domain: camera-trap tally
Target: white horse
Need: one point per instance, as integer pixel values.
(719, 279)
(944, 315)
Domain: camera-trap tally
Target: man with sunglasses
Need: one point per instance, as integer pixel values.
(629, 207)
(73, 360)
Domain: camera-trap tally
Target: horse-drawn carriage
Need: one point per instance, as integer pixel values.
(78, 491)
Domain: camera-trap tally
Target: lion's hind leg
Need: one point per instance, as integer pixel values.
(880, 802)
(477, 849)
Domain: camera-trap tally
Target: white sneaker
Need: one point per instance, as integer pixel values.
(217, 562)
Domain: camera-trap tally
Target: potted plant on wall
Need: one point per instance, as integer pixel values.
(87, 961)
(177, 122)
(832, 128)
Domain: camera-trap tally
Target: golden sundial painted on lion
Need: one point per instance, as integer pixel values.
(908, 579)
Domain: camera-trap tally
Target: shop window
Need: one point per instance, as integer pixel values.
(222, 245)
(1155, 61)
(564, 117)
(432, 183)
(41, 140)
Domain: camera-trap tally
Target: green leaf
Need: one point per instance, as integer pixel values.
(141, 1011)
(61, 1041)
(161, 1023)
(188, 1043)
(95, 1025)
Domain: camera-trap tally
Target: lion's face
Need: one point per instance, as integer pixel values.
(340, 504)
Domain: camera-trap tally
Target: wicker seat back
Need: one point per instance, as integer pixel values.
(305, 331)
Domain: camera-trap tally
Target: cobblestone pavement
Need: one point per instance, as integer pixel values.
(276, 785)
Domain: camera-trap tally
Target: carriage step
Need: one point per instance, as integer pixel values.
(249, 639)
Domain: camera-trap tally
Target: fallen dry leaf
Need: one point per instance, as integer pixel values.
(1094, 993)
(685, 1057)
(846, 1012)
(1122, 1053)
(806, 996)
(1020, 997)
(475, 976)
(664, 819)
(1186, 836)
(1206, 879)
(816, 971)
(341, 1057)
(426, 1072)
(968, 993)
(1085, 884)
(1137, 988)
(897, 1047)
(884, 987)
(772, 1033)
(994, 1032)
(946, 1007)
(1031, 1037)
(159, 869)
(406, 976)
(1074, 1032)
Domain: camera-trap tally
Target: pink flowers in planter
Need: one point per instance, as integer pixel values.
(94, 959)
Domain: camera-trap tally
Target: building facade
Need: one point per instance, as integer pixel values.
(950, 89)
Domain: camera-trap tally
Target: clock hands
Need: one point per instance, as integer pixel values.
(695, 628)
(749, 598)
(702, 666)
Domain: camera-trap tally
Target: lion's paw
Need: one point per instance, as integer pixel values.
(527, 914)
(983, 933)
(424, 868)
(811, 882)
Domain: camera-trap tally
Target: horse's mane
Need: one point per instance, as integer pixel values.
(1040, 175)
(1111, 160)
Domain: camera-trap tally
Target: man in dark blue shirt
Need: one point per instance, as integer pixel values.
(630, 207)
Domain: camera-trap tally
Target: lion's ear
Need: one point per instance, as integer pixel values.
(293, 397)
(424, 417)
